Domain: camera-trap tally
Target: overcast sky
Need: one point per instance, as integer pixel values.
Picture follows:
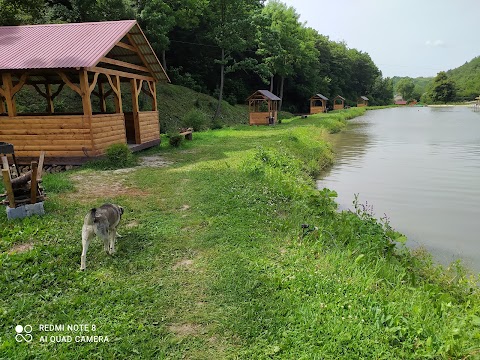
(404, 38)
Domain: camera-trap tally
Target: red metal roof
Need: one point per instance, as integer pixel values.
(73, 45)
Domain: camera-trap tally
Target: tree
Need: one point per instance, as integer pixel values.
(284, 43)
(443, 89)
(405, 87)
(232, 32)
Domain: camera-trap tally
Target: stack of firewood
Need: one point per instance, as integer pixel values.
(23, 189)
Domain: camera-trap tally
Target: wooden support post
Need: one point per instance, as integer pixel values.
(8, 187)
(48, 91)
(135, 109)
(33, 183)
(41, 160)
(5, 164)
(2, 105)
(8, 90)
(101, 95)
(85, 93)
(118, 93)
(153, 90)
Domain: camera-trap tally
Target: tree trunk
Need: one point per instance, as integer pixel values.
(220, 95)
(282, 81)
(164, 60)
(271, 83)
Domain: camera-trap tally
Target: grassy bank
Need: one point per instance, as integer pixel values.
(213, 262)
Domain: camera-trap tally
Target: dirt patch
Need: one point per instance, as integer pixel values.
(154, 161)
(185, 207)
(20, 248)
(131, 224)
(187, 329)
(103, 184)
(185, 264)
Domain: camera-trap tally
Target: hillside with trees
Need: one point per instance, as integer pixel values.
(464, 84)
(229, 48)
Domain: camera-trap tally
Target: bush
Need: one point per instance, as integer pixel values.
(195, 119)
(175, 140)
(120, 156)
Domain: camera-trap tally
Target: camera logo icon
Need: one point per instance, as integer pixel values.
(23, 333)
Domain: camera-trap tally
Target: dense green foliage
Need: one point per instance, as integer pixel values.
(213, 262)
(463, 84)
(467, 79)
(443, 88)
(229, 48)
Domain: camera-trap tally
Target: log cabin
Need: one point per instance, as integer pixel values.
(263, 108)
(318, 104)
(362, 101)
(98, 59)
(338, 102)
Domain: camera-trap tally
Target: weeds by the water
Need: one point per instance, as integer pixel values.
(214, 264)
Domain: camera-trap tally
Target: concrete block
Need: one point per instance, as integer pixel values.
(23, 211)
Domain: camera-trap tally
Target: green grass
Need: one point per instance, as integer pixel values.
(212, 263)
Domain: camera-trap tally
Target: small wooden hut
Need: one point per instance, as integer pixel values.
(362, 101)
(338, 102)
(318, 104)
(263, 108)
(90, 59)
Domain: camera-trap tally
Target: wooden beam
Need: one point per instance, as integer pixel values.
(33, 183)
(85, 93)
(135, 109)
(70, 84)
(41, 160)
(120, 73)
(126, 46)
(20, 83)
(153, 94)
(144, 60)
(101, 96)
(8, 187)
(115, 85)
(7, 93)
(124, 64)
(50, 107)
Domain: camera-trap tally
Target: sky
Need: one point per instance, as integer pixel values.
(404, 38)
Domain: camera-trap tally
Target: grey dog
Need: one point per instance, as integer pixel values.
(103, 222)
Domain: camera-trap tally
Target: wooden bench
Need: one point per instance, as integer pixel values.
(187, 133)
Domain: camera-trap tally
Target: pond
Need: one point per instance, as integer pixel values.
(421, 167)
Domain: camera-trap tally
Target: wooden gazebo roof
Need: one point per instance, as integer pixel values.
(339, 97)
(263, 95)
(115, 45)
(363, 98)
(319, 96)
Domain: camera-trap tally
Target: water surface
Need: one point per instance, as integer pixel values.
(420, 167)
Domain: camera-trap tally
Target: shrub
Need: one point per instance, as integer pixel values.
(175, 140)
(195, 119)
(120, 156)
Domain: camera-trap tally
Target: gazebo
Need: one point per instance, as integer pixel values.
(263, 107)
(318, 104)
(362, 101)
(104, 59)
(338, 102)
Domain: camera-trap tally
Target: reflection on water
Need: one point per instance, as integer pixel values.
(420, 167)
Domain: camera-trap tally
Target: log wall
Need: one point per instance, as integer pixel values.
(149, 126)
(317, 109)
(260, 118)
(107, 129)
(338, 106)
(58, 136)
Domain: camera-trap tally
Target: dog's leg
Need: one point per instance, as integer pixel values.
(87, 234)
(112, 234)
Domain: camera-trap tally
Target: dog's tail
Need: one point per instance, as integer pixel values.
(90, 217)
